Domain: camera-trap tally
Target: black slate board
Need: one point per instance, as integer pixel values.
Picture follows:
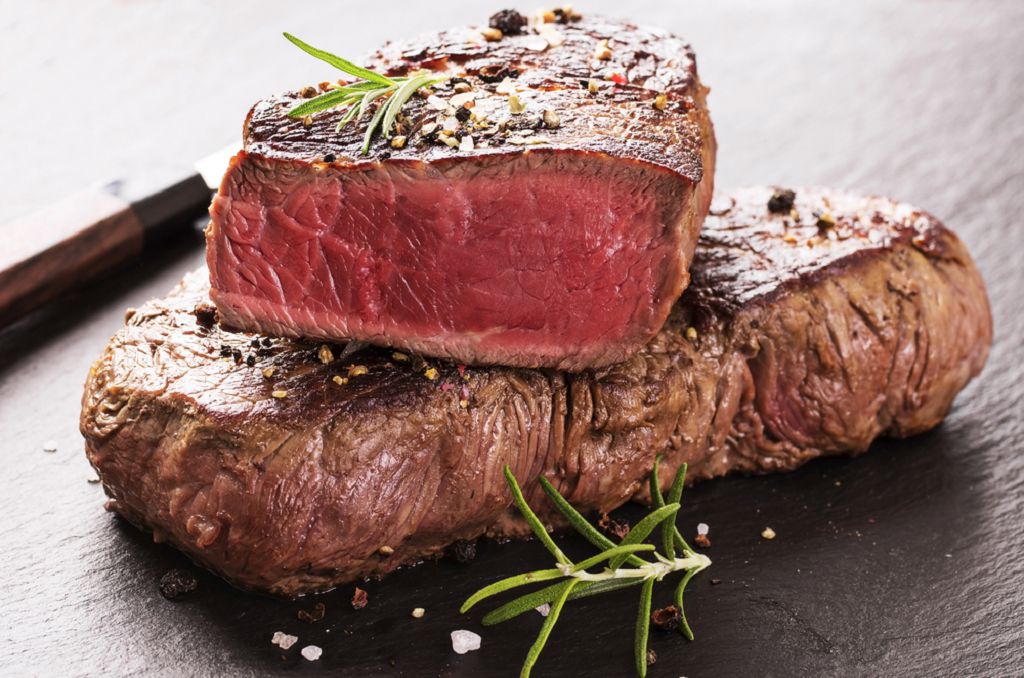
(906, 561)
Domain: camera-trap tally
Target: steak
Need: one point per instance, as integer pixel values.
(285, 465)
(558, 236)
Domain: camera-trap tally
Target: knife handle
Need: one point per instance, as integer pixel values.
(59, 247)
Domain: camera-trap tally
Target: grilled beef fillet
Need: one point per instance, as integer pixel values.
(560, 239)
(803, 334)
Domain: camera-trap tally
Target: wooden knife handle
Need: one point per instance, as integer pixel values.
(50, 251)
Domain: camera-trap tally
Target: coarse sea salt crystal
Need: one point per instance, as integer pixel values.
(284, 640)
(50, 446)
(702, 528)
(312, 652)
(465, 641)
(544, 609)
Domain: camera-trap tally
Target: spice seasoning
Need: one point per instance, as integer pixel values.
(781, 201)
(616, 528)
(359, 599)
(206, 315)
(768, 533)
(463, 551)
(491, 34)
(603, 52)
(398, 141)
(318, 612)
(592, 86)
(176, 583)
(430, 373)
(330, 157)
(280, 394)
(691, 333)
(339, 380)
(666, 618)
(385, 551)
(551, 119)
(508, 21)
(307, 121)
(515, 105)
(308, 92)
(357, 370)
(661, 101)
(418, 612)
(325, 354)
(399, 356)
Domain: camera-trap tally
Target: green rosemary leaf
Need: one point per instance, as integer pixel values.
(657, 501)
(643, 622)
(510, 583)
(668, 528)
(375, 121)
(320, 103)
(578, 522)
(531, 601)
(402, 95)
(684, 626)
(339, 63)
(545, 630)
(640, 531)
(532, 519)
(614, 552)
(347, 118)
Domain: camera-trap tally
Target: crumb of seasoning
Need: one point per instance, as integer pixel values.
(666, 618)
(463, 551)
(206, 315)
(50, 446)
(465, 641)
(280, 393)
(418, 612)
(268, 372)
(593, 86)
(702, 539)
(176, 583)
(551, 119)
(508, 21)
(715, 581)
(314, 615)
(515, 104)
(399, 356)
(385, 551)
(357, 370)
(603, 52)
(307, 121)
(691, 333)
(652, 657)
(491, 34)
(661, 101)
(312, 652)
(359, 599)
(613, 527)
(463, 403)
(308, 92)
(781, 201)
(325, 354)
(430, 373)
(284, 640)
(339, 380)
(544, 609)
(768, 533)
(93, 480)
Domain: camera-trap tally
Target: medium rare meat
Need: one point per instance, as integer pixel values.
(805, 333)
(556, 236)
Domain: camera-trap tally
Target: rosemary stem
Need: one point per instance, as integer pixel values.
(658, 570)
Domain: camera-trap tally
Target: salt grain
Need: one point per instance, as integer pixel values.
(465, 641)
(702, 528)
(418, 613)
(284, 640)
(312, 652)
(50, 446)
(544, 609)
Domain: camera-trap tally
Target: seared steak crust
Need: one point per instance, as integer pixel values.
(802, 335)
(560, 237)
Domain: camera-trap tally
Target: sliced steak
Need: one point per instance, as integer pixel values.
(803, 334)
(561, 238)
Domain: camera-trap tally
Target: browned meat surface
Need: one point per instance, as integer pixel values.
(804, 333)
(553, 229)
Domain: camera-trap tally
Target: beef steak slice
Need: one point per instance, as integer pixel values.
(561, 246)
(803, 334)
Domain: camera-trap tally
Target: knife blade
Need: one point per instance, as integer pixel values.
(94, 231)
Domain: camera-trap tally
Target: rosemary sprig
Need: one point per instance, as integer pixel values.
(358, 97)
(576, 580)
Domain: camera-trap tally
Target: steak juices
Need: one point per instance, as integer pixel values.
(559, 236)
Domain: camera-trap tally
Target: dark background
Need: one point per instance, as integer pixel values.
(907, 561)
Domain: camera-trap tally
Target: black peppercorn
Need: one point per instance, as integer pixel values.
(176, 583)
(330, 157)
(462, 114)
(508, 21)
(781, 201)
